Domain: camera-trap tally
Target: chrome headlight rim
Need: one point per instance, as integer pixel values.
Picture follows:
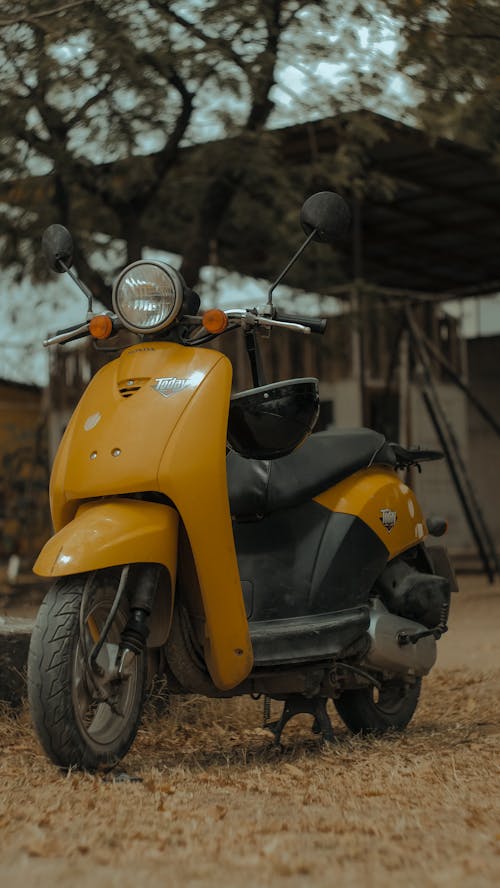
(178, 286)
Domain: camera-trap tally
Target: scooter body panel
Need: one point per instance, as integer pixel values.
(156, 420)
(307, 561)
(320, 560)
(121, 427)
(307, 574)
(384, 503)
(110, 532)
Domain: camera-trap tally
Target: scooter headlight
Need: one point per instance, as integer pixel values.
(147, 296)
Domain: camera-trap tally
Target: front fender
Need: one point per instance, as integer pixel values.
(105, 533)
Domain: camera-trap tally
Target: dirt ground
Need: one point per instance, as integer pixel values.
(217, 804)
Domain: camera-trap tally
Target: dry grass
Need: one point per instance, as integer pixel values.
(218, 804)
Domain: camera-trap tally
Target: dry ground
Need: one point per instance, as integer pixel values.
(218, 805)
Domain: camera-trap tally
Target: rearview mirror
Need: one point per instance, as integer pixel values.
(57, 246)
(328, 214)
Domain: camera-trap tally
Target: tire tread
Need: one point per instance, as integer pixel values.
(50, 656)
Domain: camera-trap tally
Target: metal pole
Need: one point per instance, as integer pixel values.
(461, 384)
(490, 572)
(357, 306)
(404, 390)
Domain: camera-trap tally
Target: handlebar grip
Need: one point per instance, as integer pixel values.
(317, 325)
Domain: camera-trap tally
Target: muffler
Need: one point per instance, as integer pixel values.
(388, 654)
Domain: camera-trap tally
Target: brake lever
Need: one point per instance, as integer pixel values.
(287, 325)
(68, 335)
(251, 319)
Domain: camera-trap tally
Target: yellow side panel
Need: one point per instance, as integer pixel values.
(368, 494)
(130, 433)
(116, 437)
(112, 532)
(193, 473)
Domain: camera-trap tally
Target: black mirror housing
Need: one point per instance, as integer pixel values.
(57, 246)
(328, 214)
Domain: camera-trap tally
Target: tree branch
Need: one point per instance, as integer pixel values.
(164, 158)
(266, 63)
(469, 36)
(209, 41)
(32, 18)
(82, 110)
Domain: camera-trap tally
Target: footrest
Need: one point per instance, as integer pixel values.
(304, 639)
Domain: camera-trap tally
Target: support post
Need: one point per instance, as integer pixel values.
(358, 308)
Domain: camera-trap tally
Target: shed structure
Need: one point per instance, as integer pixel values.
(426, 229)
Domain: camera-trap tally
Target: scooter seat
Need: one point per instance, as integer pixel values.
(258, 487)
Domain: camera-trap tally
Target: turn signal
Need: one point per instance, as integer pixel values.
(101, 327)
(215, 320)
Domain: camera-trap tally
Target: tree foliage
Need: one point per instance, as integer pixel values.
(104, 104)
(452, 53)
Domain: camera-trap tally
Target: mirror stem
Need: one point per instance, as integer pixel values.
(85, 290)
(288, 267)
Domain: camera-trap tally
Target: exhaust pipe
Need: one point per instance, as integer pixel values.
(388, 654)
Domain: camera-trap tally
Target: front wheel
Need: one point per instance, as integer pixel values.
(375, 711)
(85, 718)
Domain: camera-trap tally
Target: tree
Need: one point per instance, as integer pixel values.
(105, 103)
(451, 53)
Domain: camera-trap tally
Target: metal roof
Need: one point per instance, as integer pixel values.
(436, 229)
(439, 229)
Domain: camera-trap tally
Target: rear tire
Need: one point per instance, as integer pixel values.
(75, 727)
(368, 711)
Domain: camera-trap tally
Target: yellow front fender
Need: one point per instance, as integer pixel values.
(108, 532)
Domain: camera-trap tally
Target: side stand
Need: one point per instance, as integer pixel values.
(297, 704)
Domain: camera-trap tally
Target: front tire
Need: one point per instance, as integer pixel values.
(76, 727)
(372, 711)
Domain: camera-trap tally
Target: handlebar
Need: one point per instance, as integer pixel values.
(299, 323)
(316, 325)
(248, 319)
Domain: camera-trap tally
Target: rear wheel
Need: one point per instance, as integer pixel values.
(375, 711)
(85, 718)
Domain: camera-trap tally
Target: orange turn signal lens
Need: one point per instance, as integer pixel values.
(215, 320)
(101, 327)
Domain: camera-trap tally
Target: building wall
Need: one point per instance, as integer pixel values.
(484, 443)
(434, 485)
(346, 403)
(24, 515)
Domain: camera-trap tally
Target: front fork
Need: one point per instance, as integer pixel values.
(140, 582)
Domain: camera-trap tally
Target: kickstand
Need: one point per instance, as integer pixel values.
(296, 704)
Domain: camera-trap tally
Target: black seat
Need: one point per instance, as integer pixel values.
(258, 487)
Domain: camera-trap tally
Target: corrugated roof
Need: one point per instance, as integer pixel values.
(439, 230)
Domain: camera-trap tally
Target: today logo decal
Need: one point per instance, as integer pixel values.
(388, 518)
(169, 385)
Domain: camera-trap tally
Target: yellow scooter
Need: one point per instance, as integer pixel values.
(208, 538)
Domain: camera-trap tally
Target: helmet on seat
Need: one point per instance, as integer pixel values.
(272, 420)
